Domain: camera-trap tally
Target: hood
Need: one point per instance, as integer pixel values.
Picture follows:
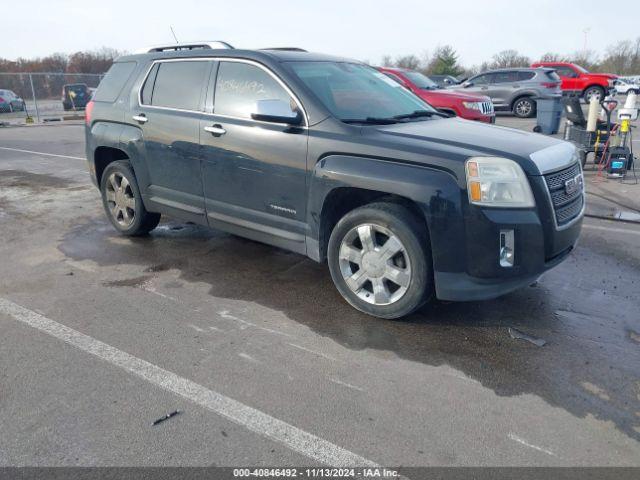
(455, 95)
(456, 139)
(608, 76)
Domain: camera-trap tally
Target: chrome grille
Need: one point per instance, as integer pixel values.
(567, 205)
(486, 108)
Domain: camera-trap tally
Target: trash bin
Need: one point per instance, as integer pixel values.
(549, 113)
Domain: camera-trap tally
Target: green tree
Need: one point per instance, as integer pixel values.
(444, 62)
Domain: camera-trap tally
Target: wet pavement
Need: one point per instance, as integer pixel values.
(453, 384)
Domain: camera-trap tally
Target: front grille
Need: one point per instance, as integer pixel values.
(486, 108)
(566, 205)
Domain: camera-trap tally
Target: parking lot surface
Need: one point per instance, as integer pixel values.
(267, 365)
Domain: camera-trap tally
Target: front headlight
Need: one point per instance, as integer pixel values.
(497, 182)
(472, 105)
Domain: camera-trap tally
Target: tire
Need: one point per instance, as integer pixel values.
(582, 154)
(122, 201)
(524, 107)
(369, 229)
(591, 91)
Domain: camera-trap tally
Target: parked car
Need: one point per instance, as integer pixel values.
(624, 86)
(329, 158)
(444, 81)
(578, 81)
(75, 96)
(514, 89)
(10, 102)
(468, 106)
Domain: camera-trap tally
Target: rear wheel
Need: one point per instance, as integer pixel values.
(380, 261)
(593, 92)
(524, 107)
(122, 201)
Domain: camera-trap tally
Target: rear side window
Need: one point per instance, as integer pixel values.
(526, 75)
(115, 79)
(505, 77)
(553, 76)
(179, 84)
(147, 89)
(240, 85)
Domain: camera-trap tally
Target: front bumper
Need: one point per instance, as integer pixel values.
(478, 117)
(539, 245)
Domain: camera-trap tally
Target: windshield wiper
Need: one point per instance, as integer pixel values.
(420, 113)
(371, 120)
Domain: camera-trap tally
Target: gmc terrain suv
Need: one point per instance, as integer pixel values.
(332, 159)
(514, 89)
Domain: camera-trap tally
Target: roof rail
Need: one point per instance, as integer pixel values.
(206, 45)
(286, 49)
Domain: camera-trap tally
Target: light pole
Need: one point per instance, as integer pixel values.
(586, 32)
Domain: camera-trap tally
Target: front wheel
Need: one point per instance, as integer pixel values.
(122, 201)
(524, 107)
(380, 260)
(593, 92)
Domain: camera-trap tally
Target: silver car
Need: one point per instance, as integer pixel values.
(515, 89)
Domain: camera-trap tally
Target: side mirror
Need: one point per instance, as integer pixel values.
(467, 84)
(276, 111)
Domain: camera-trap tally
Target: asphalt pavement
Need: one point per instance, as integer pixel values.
(268, 366)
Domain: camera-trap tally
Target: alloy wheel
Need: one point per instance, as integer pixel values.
(120, 199)
(593, 93)
(523, 108)
(374, 264)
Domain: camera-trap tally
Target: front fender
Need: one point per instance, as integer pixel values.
(434, 191)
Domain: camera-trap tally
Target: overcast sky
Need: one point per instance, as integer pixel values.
(365, 30)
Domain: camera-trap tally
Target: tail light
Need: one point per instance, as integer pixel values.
(88, 110)
(550, 84)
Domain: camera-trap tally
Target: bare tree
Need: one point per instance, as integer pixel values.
(553, 57)
(585, 58)
(509, 59)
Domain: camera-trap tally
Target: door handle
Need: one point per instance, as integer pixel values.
(215, 129)
(142, 118)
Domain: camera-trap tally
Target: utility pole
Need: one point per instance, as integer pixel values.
(586, 32)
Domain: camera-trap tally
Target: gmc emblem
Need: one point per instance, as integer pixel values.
(574, 184)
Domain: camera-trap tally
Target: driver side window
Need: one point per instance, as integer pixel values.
(480, 80)
(240, 85)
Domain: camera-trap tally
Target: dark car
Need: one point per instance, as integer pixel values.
(515, 89)
(75, 96)
(10, 102)
(329, 158)
(444, 81)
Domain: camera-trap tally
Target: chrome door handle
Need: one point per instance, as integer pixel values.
(142, 118)
(215, 129)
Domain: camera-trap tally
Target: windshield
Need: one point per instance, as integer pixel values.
(421, 81)
(581, 69)
(353, 92)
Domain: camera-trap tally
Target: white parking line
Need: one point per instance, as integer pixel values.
(259, 422)
(607, 229)
(40, 153)
(522, 441)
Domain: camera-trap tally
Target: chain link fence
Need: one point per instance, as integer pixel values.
(44, 97)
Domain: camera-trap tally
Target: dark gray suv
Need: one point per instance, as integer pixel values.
(329, 158)
(515, 89)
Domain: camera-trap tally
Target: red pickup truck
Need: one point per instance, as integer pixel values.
(463, 105)
(578, 80)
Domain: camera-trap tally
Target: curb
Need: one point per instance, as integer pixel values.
(619, 216)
